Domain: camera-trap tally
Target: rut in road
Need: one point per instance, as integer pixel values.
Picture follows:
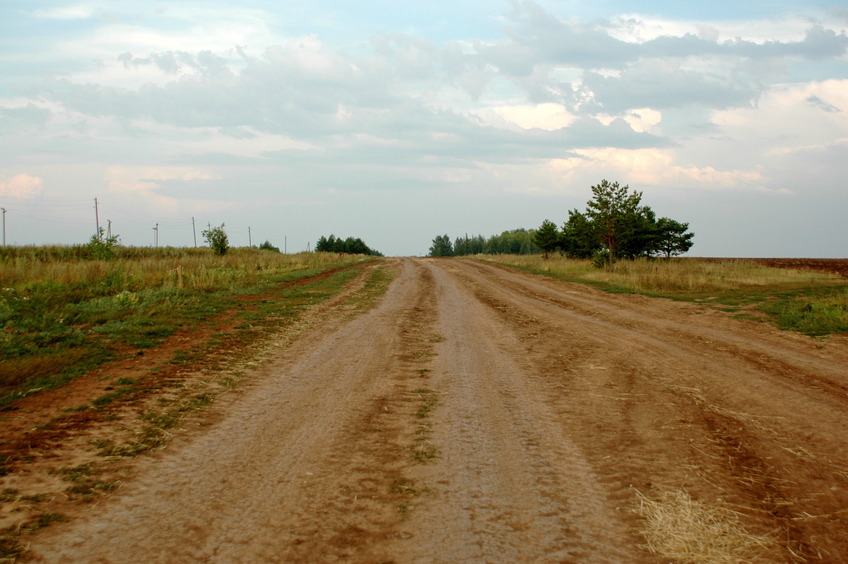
(667, 398)
(481, 415)
(307, 465)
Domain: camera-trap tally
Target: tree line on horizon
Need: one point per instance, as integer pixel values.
(350, 246)
(615, 225)
(513, 242)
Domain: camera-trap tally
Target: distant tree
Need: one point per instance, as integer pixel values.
(441, 247)
(547, 238)
(356, 246)
(350, 246)
(609, 210)
(267, 246)
(217, 238)
(672, 238)
(615, 225)
(639, 235)
(463, 246)
(513, 242)
(579, 239)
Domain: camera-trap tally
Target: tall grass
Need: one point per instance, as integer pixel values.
(683, 276)
(61, 314)
(134, 269)
(810, 302)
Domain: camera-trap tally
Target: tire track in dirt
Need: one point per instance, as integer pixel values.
(308, 465)
(510, 485)
(669, 399)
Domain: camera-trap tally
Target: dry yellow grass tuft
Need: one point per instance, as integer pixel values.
(682, 529)
(671, 276)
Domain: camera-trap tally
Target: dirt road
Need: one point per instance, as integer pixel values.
(483, 415)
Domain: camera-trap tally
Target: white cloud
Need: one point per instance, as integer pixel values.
(786, 28)
(146, 178)
(791, 116)
(650, 167)
(21, 186)
(547, 116)
(640, 119)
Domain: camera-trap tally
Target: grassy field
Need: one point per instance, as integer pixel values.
(62, 312)
(814, 303)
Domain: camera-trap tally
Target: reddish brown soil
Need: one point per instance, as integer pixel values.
(480, 414)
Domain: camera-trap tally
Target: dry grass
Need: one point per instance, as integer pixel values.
(671, 276)
(682, 529)
(134, 269)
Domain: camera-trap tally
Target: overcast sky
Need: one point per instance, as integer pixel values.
(397, 121)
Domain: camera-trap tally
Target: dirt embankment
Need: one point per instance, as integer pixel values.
(479, 414)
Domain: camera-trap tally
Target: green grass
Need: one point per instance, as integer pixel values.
(815, 313)
(62, 315)
(812, 303)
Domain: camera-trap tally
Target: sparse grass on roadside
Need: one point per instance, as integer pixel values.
(63, 314)
(375, 286)
(813, 303)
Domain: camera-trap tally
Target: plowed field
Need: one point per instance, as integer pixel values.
(478, 414)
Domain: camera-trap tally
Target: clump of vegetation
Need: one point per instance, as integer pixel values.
(101, 247)
(267, 246)
(616, 225)
(350, 246)
(217, 239)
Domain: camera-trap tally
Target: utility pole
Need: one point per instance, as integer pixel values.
(194, 230)
(109, 229)
(4, 226)
(249, 238)
(285, 244)
(97, 218)
(156, 236)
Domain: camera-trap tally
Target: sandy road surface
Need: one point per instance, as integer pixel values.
(483, 415)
